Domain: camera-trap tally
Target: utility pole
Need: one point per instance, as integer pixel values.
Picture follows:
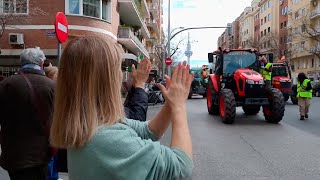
(169, 36)
(188, 52)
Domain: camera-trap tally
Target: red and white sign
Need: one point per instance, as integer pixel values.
(168, 61)
(61, 27)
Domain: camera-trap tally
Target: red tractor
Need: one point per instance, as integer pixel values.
(282, 80)
(235, 81)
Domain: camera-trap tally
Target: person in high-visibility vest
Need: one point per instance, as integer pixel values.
(266, 71)
(304, 95)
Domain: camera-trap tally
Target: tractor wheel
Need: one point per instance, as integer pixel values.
(211, 97)
(274, 112)
(190, 93)
(251, 110)
(204, 95)
(294, 99)
(227, 105)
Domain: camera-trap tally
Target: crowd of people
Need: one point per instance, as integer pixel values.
(72, 118)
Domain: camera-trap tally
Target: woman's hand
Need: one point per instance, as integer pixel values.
(141, 75)
(177, 89)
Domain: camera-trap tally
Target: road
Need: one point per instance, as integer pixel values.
(251, 148)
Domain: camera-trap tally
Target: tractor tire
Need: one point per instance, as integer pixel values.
(294, 99)
(227, 105)
(211, 97)
(204, 95)
(190, 93)
(274, 112)
(251, 110)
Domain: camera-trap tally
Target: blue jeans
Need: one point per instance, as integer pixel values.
(52, 169)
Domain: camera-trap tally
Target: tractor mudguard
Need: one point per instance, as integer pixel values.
(214, 79)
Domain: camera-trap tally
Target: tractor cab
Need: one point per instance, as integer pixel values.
(235, 81)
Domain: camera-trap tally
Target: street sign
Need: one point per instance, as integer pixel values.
(61, 27)
(168, 61)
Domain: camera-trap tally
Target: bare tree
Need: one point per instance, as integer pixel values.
(305, 29)
(14, 13)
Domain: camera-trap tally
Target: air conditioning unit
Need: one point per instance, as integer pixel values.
(16, 38)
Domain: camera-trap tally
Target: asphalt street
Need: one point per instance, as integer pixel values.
(251, 148)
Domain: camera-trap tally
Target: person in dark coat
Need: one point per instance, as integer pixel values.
(136, 104)
(26, 119)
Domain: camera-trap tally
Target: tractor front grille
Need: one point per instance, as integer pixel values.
(254, 90)
(285, 85)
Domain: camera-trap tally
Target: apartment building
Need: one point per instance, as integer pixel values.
(283, 31)
(246, 28)
(313, 67)
(302, 23)
(133, 23)
(269, 26)
(234, 36)
(224, 39)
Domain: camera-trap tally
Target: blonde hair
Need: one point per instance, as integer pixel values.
(88, 92)
(51, 72)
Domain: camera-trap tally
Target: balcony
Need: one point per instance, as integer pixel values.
(154, 9)
(316, 31)
(153, 24)
(152, 51)
(127, 38)
(289, 25)
(314, 14)
(130, 14)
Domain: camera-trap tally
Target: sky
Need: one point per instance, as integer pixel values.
(199, 13)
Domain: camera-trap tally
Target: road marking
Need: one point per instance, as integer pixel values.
(62, 27)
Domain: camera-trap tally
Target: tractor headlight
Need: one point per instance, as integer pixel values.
(250, 81)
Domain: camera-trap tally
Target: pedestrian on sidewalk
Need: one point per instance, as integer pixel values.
(89, 119)
(52, 73)
(26, 101)
(304, 94)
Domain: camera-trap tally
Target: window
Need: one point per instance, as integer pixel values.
(265, 19)
(14, 6)
(261, 21)
(285, 24)
(303, 28)
(269, 3)
(295, 1)
(269, 29)
(265, 6)
(261, 33)
(265, 32)
(269, 17)
(302, 44)
(94, 8)
(296, 15)
(312, 62)
(281, 25)
(303, 11)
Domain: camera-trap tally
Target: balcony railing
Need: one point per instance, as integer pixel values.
(127, 33)
(315, 13)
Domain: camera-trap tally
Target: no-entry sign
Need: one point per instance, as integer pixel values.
(168, 61)
(61, 27)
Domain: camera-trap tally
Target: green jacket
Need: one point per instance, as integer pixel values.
(127, 151)
(301, 90)
(267, 74)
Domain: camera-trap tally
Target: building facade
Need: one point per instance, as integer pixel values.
(135, 24)
(246, 27)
